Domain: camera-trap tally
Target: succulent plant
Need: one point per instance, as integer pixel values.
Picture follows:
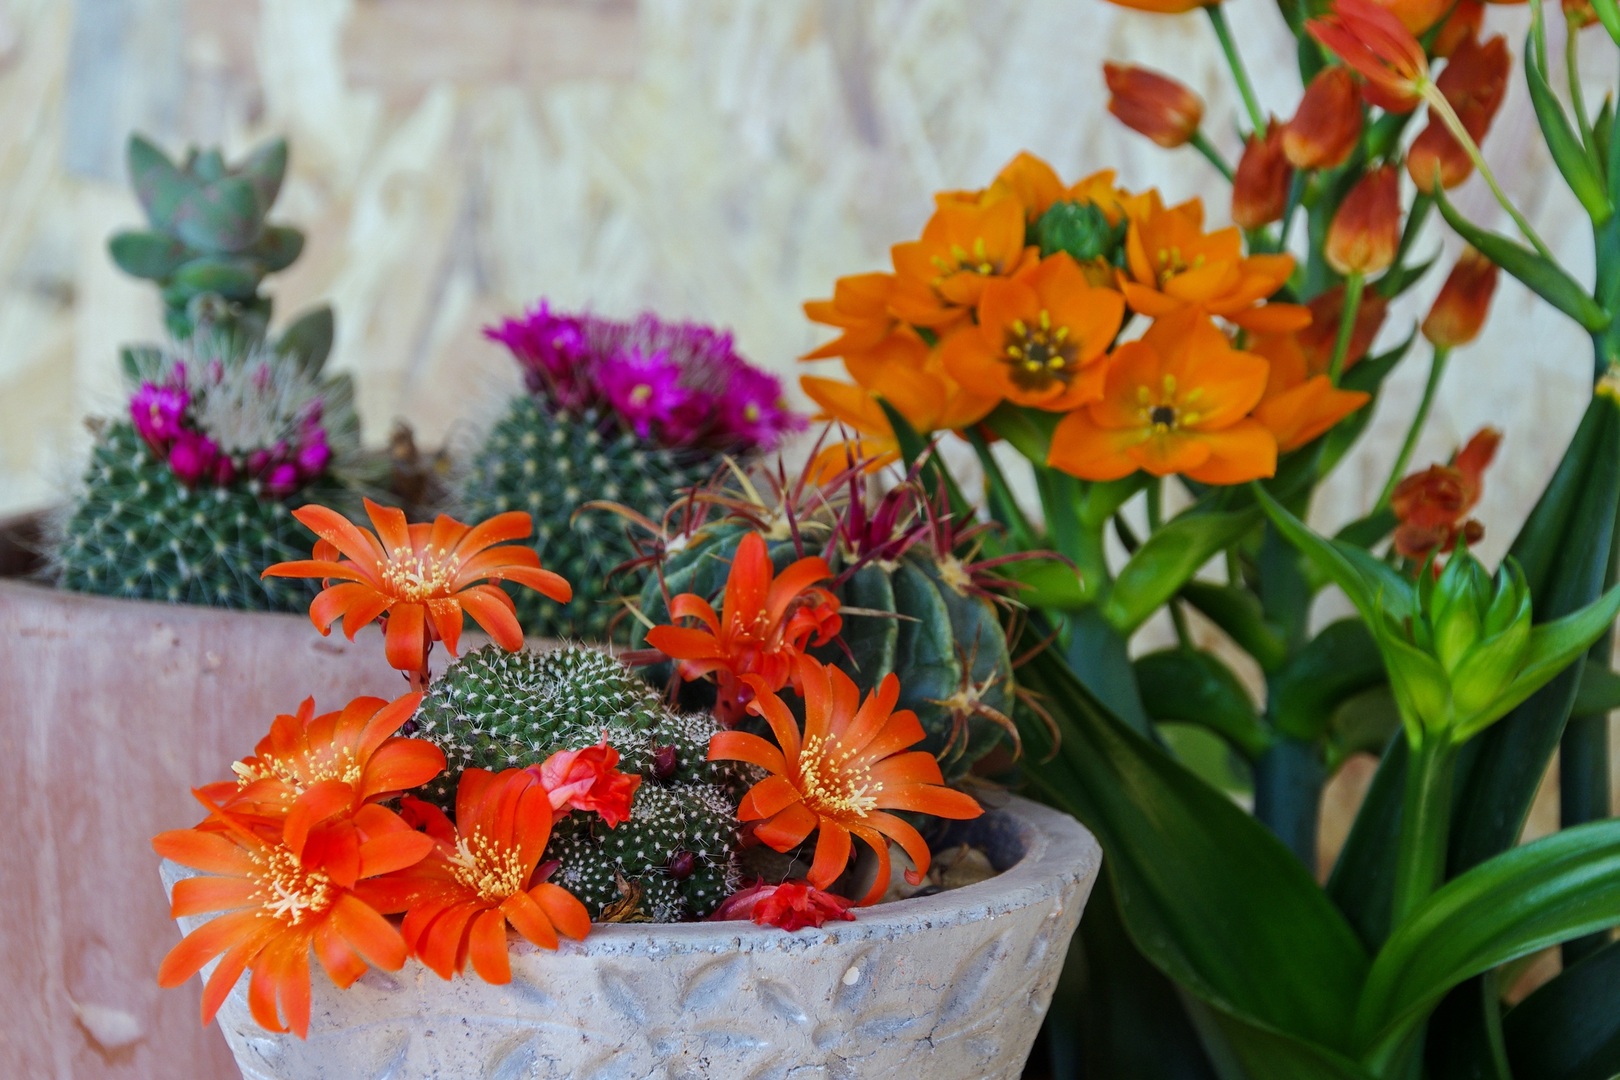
(913, 600)
(626, 412)
(208, 245)
(675, 857)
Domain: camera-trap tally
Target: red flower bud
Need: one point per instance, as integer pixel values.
(1316, 341)
(1327, 125)
(1152, 104)
(1367, 229)
(1474, 83)
(1463, 24)
(1459, 311)
(1260, 186)
(1432, 506)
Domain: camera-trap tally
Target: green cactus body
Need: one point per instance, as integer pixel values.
(139, 532)
(675, 857)
(549, 464)
(943, 641)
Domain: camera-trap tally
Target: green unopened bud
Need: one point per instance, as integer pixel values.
(1457, 608)
(1081, 229)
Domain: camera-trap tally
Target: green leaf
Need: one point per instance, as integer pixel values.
(230, 276)
(220, 219)
(1569, 1028)
(1547, 279)
(148, 255)
(1238, 612)
(1208, 893)
(1196, 688)
(309, 337)
(1564, 143)
(1362, 883)
(264, 168)
(1599, 690)
(278, 247)
(1168, 560)
(1609, 16)
(1248, 1050)
(1029, 431)
(1521, 901)
(1371, 585)
(1338, 663)
(159, 184)
(916, 452)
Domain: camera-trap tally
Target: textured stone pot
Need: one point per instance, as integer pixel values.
(948, 987)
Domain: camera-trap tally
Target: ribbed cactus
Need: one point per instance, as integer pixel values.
(913, 604)
(675, 857)
(208, 246)
(627, 412)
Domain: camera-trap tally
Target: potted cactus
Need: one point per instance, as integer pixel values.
(564, 873)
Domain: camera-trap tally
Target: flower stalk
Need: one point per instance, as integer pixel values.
(1223, 32)
(1448, 116)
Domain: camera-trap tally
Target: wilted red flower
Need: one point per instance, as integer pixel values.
(1373, 40)
(1465, 299)
(792, 905)
(589, 780)
(1431, 507)
(1260, 185)
(1474, 83)
(1152, 104)
(1327, 124)
(1367, 228)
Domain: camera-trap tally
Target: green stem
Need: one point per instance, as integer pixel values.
(1572, 67)
(1213, 156)
(1288, 781)
(1448, 116)
(1420, 855)
(1217, 19)
(1421, 205)
(1437, 368)
(1353, 285)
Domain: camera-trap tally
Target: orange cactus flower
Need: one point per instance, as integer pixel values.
(943, 274)
(1459, 310)
(1297, 406)
(1176, 401)
(840, 775)
(588, 780)
(419, 578)
(1373, 41)
(1317, 340)
(1164, 7)
(1474, 82)
(311, 774)
(1432, 507)
(766, 622)
(1463, 24)
(274, 910)
(1152, 104)
(1260, 186)
(1366, 230)
(1327, 124)
(478, 878)
(1173, 265)
(860, 309)
(1041, 338)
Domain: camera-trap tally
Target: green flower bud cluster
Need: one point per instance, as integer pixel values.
(1082, 230)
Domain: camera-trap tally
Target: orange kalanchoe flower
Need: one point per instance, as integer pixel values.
(1366, 230)
(860, 308)
(311, 775)
(419, 578)
(1176, 401)
(1297, 406)
(840, 775)
(1260, 185)
(589, 780)
(1173, 265)
(275, 909)
(1041, 338)
(766, 622)
(1152, 104)
(943, 274)
(479, 878)
(1373, 41)
(1432, 507)
(1327, 124)
(1474, 83)
(1464, 301)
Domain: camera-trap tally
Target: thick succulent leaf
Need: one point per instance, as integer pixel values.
(265, 168)
(143, 254)
(230, 276)
(1523, 900)
(159, 184)
(1168, 560)
(1569, 1028)
(1546, 279)
(309, 337)
(1338, 663)
(1194, 687)
(1238, 612)
(1208, 893)
(222, 218)
(1564, 144)
(278, 247)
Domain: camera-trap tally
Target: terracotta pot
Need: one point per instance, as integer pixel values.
(110, 710)
(949, 987)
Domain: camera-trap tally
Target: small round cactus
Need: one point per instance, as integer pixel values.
(675, 857)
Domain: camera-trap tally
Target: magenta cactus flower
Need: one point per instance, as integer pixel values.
(157, 412)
